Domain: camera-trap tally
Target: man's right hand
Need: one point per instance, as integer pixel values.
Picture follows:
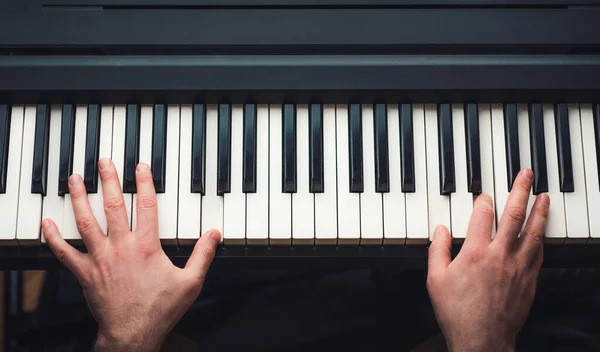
(482, 298)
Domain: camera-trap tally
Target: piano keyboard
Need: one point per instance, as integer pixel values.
(302, 174)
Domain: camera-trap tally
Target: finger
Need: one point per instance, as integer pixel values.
(479, 232)
(514, 212)
(532, 239)
(88, 227)
(147, 210)
(114, 204)
(439, 251)
(70, 257)
(203, 254)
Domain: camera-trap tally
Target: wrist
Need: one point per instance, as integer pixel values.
(472, 345)
(128, 341)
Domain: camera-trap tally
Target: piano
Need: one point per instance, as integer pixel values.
(331, 133)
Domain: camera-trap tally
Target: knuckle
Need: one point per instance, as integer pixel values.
(146, 202)
(109, 175)
(84, 224)
(516, 214)
(523, 186)
(208, 254)
(113, 205)
(535, 236)
(487, 210)
(76, 193)
(61, 254)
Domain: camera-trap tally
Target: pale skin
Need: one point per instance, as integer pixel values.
(481, 298)
(132, 289)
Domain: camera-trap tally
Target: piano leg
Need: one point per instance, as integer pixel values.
(13, 285)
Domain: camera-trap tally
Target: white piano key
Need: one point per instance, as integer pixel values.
(234, 203)
(188, 230)
(30, 204)
(303, 218)
(53, 204)
(9, 201)
(417, 222)
(348, 203)
(104, 151)
(257, 211)
(592, 184)
(280, 204)
(525, 146)
(371, 212)
(461, 201)
(439, 205)
(145, 151)
(212, 204)
(556, 223)
(486, 154)
(576, 202)
(394, 210)
(500, 172)
(326, 202)
(70, 231)
(167, 202)
(118, 152)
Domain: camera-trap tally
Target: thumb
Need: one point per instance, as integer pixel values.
(203, 253)
(439, 251)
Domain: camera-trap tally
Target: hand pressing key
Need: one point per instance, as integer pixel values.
(132, 289)
(482, 298)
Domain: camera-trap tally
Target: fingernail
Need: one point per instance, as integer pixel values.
(544, 199)
(142, 167)
(215, 235)
(437, 232)
(45, 224)
(74, 180)
(103, 164)
(528, 174)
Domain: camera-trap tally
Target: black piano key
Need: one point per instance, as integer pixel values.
(198, 148)
(538, 149)
(596, 112)
(92, 145)
(249, 167)
(67, 137)
(380, 125)
(4, 139)
(563, 147)
(132, 147)
(159, 147)
(316, 171)
(224, 150)
(473, 155)
(407, 154)
(355, 148)
(446, 150)
(511, 143)
(40, 153)
(289, 148)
